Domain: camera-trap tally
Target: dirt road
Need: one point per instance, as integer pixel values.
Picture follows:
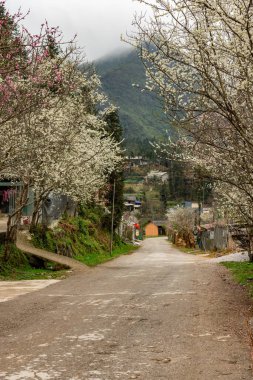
(156, 314)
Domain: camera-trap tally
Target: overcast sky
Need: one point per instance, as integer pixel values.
(98, 23)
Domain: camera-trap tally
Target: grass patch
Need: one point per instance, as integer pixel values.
(25, 267)
(134, 180)
(18, 274)
(242, 273)
(94, 259)
(133, 188)
(192, 251)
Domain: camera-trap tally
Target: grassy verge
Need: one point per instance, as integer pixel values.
(216, 254)
(18, 274)
(242, 273)
(192, 251)
(23, 267)
(96, 258)
(84, 238)
(197, 251)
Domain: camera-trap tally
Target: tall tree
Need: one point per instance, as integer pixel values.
(114, 128)
(49, 138)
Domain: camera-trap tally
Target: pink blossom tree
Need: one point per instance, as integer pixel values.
(51, 138)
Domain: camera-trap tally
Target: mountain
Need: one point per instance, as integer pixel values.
(140, 112)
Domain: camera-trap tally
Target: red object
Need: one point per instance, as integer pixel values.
(137, 226)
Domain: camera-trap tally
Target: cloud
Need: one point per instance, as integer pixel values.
(97, 23)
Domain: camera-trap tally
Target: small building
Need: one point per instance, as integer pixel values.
(131, 203)
(133, 162)
(214, 237)
(155, 228)
(151, 230)
(9, 193)
(192, 205)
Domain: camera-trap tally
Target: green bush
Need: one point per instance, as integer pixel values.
(85, 237)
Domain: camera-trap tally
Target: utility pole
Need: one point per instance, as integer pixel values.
(112, 220)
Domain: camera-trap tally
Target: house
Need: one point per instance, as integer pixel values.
(9, 192)
(131, 203)
(52, 209)
(133, 162)
(155, 228)
(192, 205)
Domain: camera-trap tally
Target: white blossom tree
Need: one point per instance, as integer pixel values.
(198, 57)
(61, 148)
(182, 221)
(52, 129)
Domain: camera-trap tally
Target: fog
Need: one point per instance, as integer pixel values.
(98, 24)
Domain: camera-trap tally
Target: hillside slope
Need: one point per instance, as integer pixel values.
(140, 112)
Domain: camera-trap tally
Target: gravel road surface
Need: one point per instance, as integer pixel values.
(155, 314)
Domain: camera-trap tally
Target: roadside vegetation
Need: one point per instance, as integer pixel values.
(26, 267)
(242, 273)
(101, 257)
(197, 251)
(85, 237)
(192, 251)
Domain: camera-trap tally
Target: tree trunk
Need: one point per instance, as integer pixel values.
(35, 215)
(14, 221)
(250, 246)
(250, 250)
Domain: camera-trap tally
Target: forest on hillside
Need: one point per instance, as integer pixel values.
(123, 80)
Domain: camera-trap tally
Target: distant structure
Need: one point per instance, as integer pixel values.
(133, 162)
(131, 202)
(155, 228)
(193, 205)
(157, 175)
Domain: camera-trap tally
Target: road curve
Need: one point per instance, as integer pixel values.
(155, 314)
